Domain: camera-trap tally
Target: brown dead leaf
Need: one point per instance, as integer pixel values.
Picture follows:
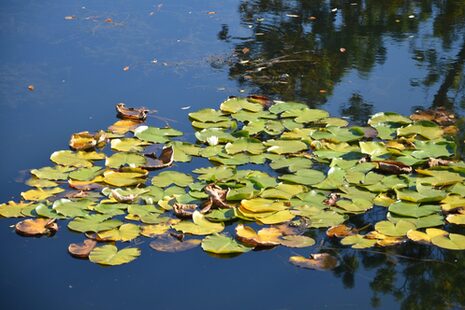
(393, 167)
(31, 87)
(322, 261)
(139, 114)
(82, 250)
(265, 237)
(184, 210)
(332, 199)
(165, 159)
(435, 162)
(217, 197)
(37, 227)
(340, 231)
(438, 115)
(84, 141)
(263, 100)
(168, 243)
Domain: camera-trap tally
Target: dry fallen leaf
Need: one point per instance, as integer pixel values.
(37, 227)
(82, 250)
(340, 231)
(139, 114)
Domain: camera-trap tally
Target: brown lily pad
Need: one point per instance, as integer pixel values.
(124, 112)
(82, 250)
(37, 227)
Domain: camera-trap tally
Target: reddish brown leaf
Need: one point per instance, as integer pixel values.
(340, 231)
(83, 141)
(332, 199)
(82, 250)
(217, 197)
(184, 210)
(393, 167)
(438, 115)
(139, 114)
(37, 227)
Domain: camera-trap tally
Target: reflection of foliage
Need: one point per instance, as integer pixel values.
(357, 109)
(301, 49)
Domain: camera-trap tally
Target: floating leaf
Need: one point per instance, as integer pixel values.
(37, 227)
(125, 232)
(358, 241)
(293, 241)
(292, 164)
(123, 126)
(168, 243)
(166, 178)
(388, 117)
(419, 236)
(263, 205)
(285, 147)
(394, 230)
(83, 141)
(413, 209)
(458, 219)
(213, 174)
(13, 209)
(306, 115)
(283, 191)
(155, 135)
(340, 231)
(199, 226)
(252, 146)
(52, 173)
(139, 114)
(40, 194)
(82, 250)
(264, 237)
(304, 176)
(323, 261)
(155, 230)
(450, 242)
(93, 223)
(109, 255)
(124, 178)
(70, 159)
(234, 105)
(208, 115)
(86, 174)
(221, 244)
(426, 129)
(127, 145)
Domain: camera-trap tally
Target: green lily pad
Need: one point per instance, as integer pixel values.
(121, 159)
(155, 134)
(250, 145)
(52, 173)
(283, 191)
(125, 232)
(213, 174)
(292, 164)
(388, 117)
(306, 115)
(221, 244)
(426, 129)
(234, 105)
(282, 106)
(285, 146)
(70, 159)
(394, 230)
(86, 174)
(358, 241)
(127, 145)
(208, 115)
(109, 255)
(71, 208)
(450, 242)
(165, 178)
(199, 226)
(413, 209)
(432, 220)
(93, 223)
(304, 176)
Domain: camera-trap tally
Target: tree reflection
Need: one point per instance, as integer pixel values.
(300, 50)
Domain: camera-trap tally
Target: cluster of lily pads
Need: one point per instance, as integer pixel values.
(275, 172)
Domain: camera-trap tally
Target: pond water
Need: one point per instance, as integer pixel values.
(351, 58)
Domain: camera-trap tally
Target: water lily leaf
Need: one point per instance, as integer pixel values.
(71, 208)
(427, 149)
(303, 134)
(450, 242)
(123, 126)
(283, 191)
(111, 209)
(83, 141)
(168, 243)
(40, 183)
(413, 209)
(458, 219)
(292, 164)
(282, 106)
(221, 244)
(247, 117)
(214, 174)
(323, 261)
(157, 229)
(340, 231)
(421, 222)
(183, 152)
(223, 124)
(426, 237)
(388, 117)
(82, 250)
(452, 202)
(155, 134)
(139, 114)
(439, 178)
(320, 218)
(304, 176)
(285, 146)
(43, 210)
(93, 223)
(52, 173)
(423, 194)
(70, 159)
(208, 115)
(294, 241)
(221, 215)
(306, 115)
(13, 209)
(394, 230)
(126, 177)
(356, 205)
(264, 237)
(428, 130)
(86, 174)
(374, 149)
(37, 227)
(128, 145)
(166, 178)
(358, 241)
(234, 105)
(277, 217)
(208, 134)
(109, 255)
(199, 226)
(125, 232)
(334, 179)
(263, 205)
(250, 145)
(40, 194)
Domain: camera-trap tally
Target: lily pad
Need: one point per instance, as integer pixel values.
(109, 255)
(166, 178)
(221, 244)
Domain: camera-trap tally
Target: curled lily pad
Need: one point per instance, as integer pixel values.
(82, 250)
(37, 227)
(139, 114)
(83, 141)
(109, 255)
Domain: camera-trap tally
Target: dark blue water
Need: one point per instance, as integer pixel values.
(396, 56)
